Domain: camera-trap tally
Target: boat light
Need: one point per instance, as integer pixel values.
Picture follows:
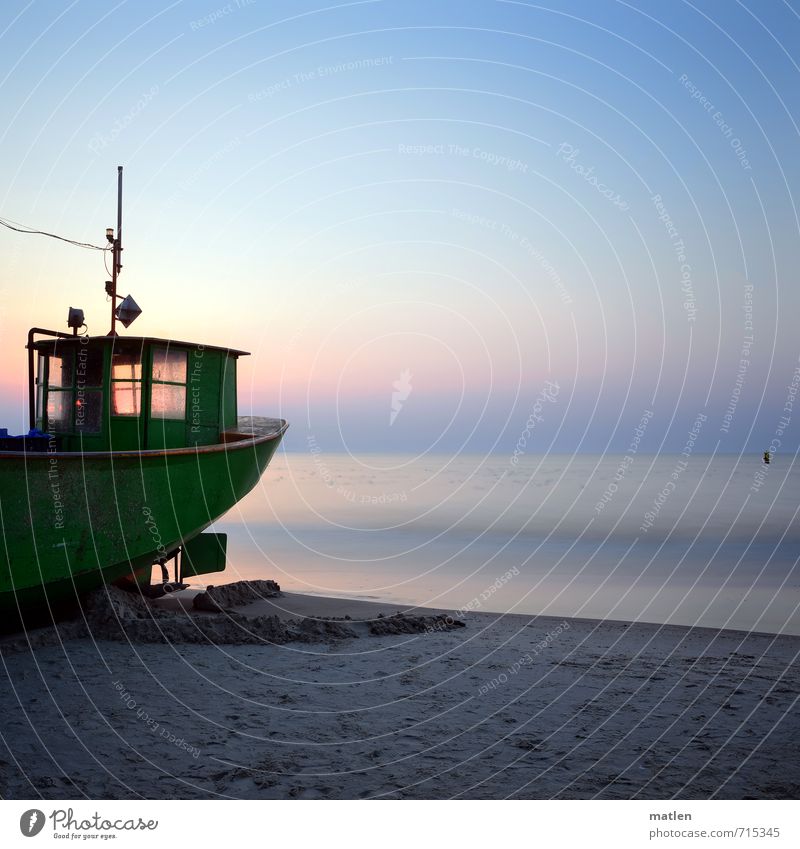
(75, 318)
(110, 234)
(128, 311)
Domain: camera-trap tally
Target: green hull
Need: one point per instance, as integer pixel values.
(71, 522)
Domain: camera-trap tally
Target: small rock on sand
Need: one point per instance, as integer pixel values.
(402, 624)
(216, 599)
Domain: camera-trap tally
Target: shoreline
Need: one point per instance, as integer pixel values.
(332, 603)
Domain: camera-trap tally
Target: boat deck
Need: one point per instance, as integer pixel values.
(247, 428)
(259, 425)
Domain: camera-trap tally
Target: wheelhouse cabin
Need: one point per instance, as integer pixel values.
(112, 393)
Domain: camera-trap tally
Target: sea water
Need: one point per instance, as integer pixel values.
(707, 540)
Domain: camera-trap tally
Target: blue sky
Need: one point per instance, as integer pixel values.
(488, 195)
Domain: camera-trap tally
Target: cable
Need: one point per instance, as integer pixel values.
(23, 229)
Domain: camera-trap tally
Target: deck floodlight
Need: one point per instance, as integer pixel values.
(110, 234)
(75, 318)
(128, 311)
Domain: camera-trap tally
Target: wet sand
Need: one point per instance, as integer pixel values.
(508, 706)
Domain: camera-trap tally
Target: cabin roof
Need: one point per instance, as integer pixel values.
(45, 344)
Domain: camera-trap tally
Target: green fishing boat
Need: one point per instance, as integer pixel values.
(135, 449)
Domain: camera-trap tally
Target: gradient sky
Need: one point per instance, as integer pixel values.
(460, 191)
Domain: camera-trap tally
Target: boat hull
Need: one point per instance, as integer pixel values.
(73, 521)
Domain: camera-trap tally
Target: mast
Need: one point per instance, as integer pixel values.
(116, 242)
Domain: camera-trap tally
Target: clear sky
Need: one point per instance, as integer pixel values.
(568, 215)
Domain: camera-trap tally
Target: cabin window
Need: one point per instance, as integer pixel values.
(168, 389)
(61, 371)
(74, 391)
(126, 399)
(41, 379)
(169, 366)
(60, 396)
(40, 407)
(126, 383)
(89, 367)
(88, 394)
(88, 411)
(59, 411)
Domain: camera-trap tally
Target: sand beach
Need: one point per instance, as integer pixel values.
(508, 706)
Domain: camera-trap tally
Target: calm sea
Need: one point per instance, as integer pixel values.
(703, 540)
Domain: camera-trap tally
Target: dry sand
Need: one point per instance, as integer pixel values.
(509, 706)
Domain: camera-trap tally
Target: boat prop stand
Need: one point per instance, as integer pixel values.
(202, 555)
